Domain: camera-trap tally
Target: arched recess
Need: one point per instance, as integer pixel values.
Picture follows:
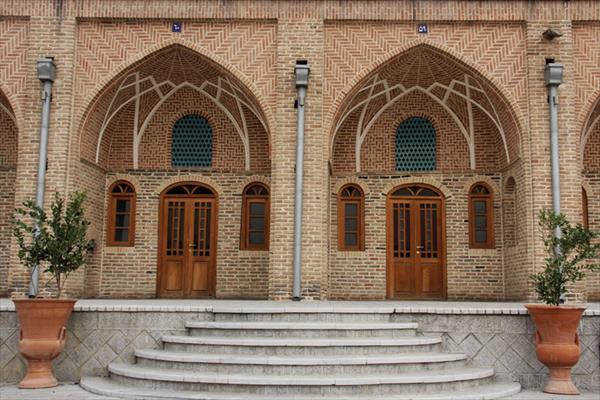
(426, 76)
(590, 140)
(8, 166)
(128, 105)
(590, 163)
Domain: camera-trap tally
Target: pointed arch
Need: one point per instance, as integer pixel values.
(217, 80)
(590, 123)
(471, 85)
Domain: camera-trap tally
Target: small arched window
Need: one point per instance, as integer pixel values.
(351, 219)
(415, 145)
(255, 218)
(192, 142)
(121, 214)
(481, 217)
(584, 204)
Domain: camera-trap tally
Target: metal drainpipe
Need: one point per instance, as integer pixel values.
(302, 71)
(553, 74)
(46, 70)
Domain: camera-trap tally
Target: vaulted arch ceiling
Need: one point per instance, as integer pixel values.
(590, 139)
(456, 87)
(151, 82)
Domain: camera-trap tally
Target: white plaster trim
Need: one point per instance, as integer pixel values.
(467, 131)
(11, 115)
(133, 80)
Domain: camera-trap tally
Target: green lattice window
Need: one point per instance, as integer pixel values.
(415, 145)
(192, 142)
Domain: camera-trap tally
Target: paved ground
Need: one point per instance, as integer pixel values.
(66, 391)
(437, 307)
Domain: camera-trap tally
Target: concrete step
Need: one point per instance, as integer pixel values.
(107, 387)
(294, 365)
(376, 385)
(304, 313)
(300, 346)
(300, 329)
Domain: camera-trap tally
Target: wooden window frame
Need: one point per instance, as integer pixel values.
(249, 199)
(341, 219)
(112, 215)
(585, 209)
(489, 199)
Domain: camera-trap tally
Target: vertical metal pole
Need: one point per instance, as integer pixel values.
(302, 71)
(552, 95)
(299, 192)
(553, 74)
(46, 70)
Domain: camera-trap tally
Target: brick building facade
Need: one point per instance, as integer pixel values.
(125, 79)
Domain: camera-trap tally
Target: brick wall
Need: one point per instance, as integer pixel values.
(131, 271)
(471, 273)
(97, 43)
(8, 161)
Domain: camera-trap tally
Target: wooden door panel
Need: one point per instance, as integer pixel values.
(187, 251)
(200, 274)
(415, 247)
(403, 279)
(173, 277)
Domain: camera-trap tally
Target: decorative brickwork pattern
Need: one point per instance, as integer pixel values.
(355, 49)
(586, 63)
(247, 46)
(13, 52)
(493, 49)
(473, 105)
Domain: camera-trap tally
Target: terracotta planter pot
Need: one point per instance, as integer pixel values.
(557, 343)
(42, 337)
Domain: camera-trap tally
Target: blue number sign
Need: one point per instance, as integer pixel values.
(423, 28)
(176, 27)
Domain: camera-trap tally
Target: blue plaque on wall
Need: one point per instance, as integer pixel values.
(423, 28)
(176, 27)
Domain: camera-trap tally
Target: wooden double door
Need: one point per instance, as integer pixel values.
(415, 244)
(188, 228)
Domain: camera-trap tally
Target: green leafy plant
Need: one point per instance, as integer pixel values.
(56, 242)
(566, 258)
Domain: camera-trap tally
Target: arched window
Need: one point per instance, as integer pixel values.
(192, 142)
(481, 217)
(351, 219)
(584, 204)
(415, 145)
(121, 214)
(255, 218)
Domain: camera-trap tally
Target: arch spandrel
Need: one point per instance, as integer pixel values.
(465, 91)
(148, 81)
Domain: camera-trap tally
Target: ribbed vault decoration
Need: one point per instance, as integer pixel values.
(155, 79)
(592, 125)
(5, 108)
(445, 80)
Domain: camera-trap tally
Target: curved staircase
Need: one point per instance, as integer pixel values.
(281, 354)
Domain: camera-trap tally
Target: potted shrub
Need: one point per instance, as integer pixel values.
(557, 343)
(57, 243)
